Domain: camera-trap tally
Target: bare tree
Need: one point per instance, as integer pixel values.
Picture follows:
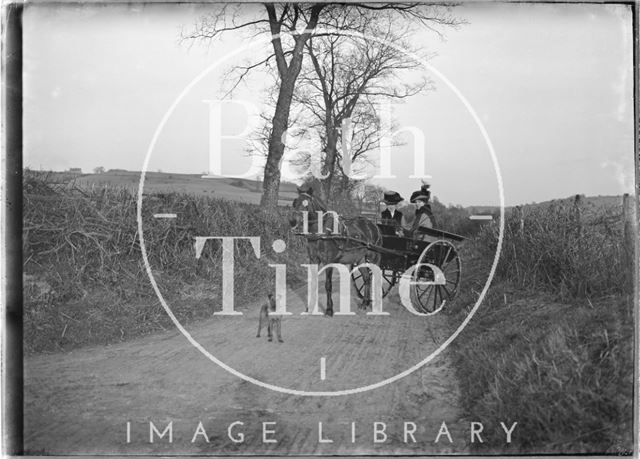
(362, 61)
(288, 18)
(291, 25)
(348, 76)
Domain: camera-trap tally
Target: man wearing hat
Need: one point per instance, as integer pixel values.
(391, 216)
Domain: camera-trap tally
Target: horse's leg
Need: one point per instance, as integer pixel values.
(313, 259)
(328, 286)
(373, 258)
(366, 294)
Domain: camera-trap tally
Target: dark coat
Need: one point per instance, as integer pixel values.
(397, 216)
(387, 219)
(424, 210)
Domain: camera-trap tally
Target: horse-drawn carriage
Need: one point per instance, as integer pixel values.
(399, 254)
(353, 241)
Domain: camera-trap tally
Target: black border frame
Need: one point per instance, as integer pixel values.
(12, 352)
(12, 342)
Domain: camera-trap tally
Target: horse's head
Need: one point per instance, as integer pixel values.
(305, 202)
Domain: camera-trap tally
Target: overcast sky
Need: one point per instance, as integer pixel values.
(552, 85)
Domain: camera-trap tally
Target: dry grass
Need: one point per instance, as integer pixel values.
(573, 251)
(552, 345)
(85, 280)
(564, 372)
(455, 219)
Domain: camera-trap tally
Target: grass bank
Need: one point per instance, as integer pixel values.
(551, 347)
(85, 281)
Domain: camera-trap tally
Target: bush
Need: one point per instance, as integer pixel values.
(86, 281)
(455, 219)
(573, 251)
(552, 345)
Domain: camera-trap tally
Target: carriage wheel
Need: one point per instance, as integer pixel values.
(388, 281)
(431, 298)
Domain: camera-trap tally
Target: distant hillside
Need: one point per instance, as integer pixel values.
(597, 202)
(233, 189)
(250, 191)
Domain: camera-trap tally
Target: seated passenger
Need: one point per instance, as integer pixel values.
(392, 218)
(423, 215)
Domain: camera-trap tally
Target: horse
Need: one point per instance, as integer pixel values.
(338, 240)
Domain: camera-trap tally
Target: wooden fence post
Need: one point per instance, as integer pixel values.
(519, 214)
(577, 213)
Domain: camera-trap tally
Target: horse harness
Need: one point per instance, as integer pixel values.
(343, 235)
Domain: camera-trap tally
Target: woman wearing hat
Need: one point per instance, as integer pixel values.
(424, 215)
(391, 216)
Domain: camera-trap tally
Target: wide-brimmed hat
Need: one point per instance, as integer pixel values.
(392, 197)
(424, 189)
(420, 196)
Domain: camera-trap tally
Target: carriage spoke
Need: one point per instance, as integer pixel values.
(447, 273)
(449, 263)
(441, 262)
(390, 282)
(431, 297)
(358, 281)
(457, 271)
(423, 305)
(452, 274)
(428, 289)
(449, 296)
(435, 299)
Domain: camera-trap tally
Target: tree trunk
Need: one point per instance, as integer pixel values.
(331, 156)
(271, 182)
(288, 76)
(329, 162)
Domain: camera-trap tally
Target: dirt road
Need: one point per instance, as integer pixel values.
(85, 401)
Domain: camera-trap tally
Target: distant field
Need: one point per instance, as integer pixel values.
(250, 191)
(595, 202)
(232, 189)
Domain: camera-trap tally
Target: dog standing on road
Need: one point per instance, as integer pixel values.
(273, 323)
